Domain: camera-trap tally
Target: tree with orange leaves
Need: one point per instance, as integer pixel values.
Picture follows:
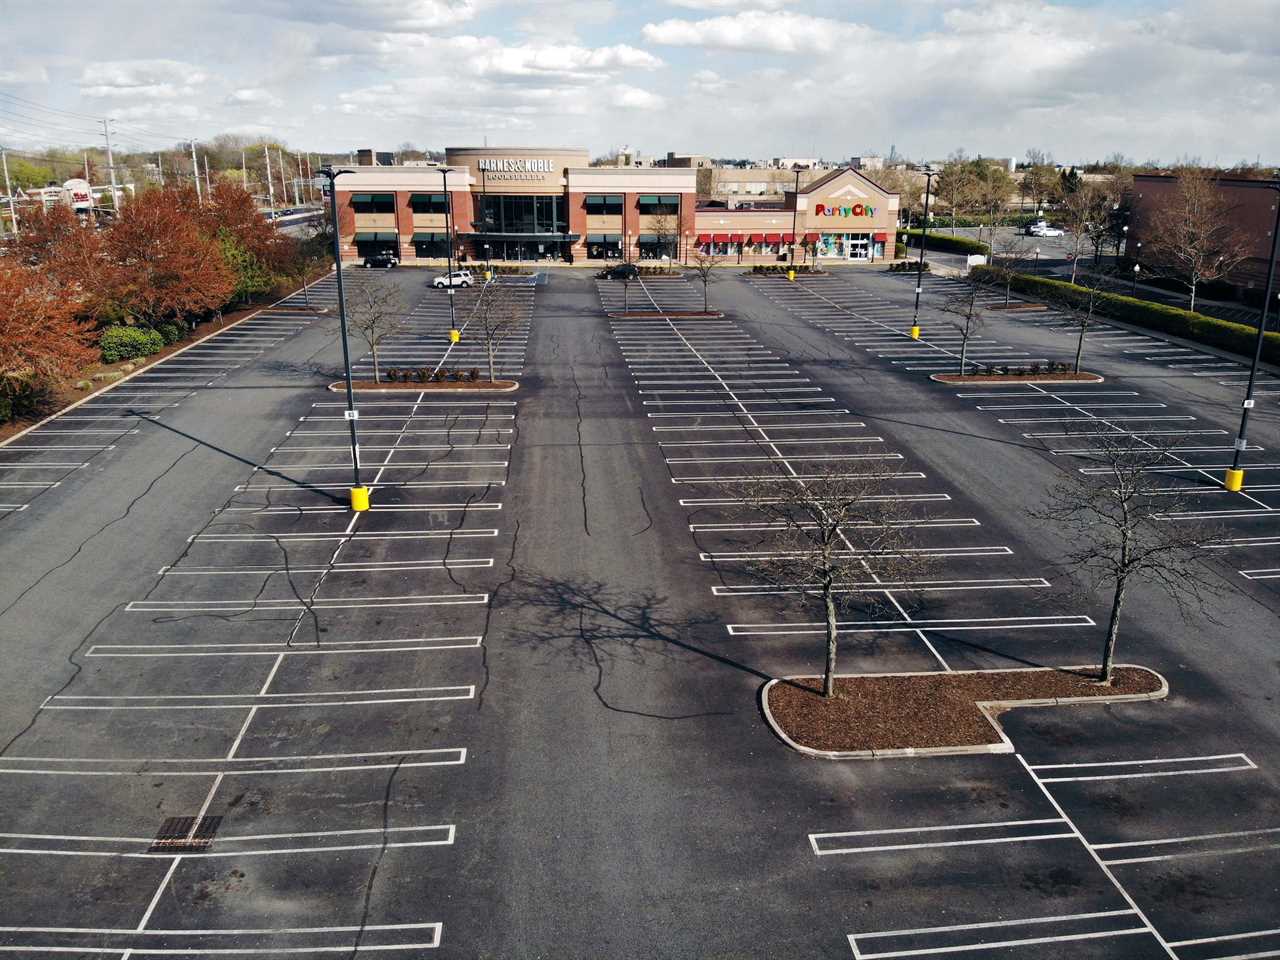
(41, 338)
(42, 231)
(168, 268)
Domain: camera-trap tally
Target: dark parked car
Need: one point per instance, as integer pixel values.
(384, 259)
(622, 271)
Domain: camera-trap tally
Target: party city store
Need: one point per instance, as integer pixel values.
(842, 216)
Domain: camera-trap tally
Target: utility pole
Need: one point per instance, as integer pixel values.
(208, 189)
(271, 192)
(195, 170)
(110, 164)
(244, 171)
(86, 167)
(297, 197)
(8, 190)
(284, 188)
(160, 167)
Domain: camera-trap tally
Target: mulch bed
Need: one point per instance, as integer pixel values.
(926, 710)
(676, 314)
(1082, 377)
(420, 387)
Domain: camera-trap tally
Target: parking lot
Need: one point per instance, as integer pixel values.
(512, 711)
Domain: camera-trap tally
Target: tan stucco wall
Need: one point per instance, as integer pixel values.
(375, 221)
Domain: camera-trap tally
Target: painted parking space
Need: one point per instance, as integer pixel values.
(286, 699)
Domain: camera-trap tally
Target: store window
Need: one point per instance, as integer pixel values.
(429, 203)
(373, 202)
(373, 243)
(654, 247)
(604, 246)
(431, 244)
(524, 214)
(656, 204)
(603, 204)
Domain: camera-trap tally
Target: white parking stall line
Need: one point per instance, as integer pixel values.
(262, 701)
(1270, 947)
(881, 586)
(342, 566)
(233, 766)
(247, 941)
(338, 535)
(910, 626)
(1137, 769)
(1238, 841)
(294, 604)
(966, 834)
(252, 649)
(933, 941)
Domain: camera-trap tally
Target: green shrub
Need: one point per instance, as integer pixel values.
(169, 332)
(938, 241)
(23, 396)
(125, 343)
(1234, 337)
(909, 266)
(899, 251)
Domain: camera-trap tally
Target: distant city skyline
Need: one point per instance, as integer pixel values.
(759, 78)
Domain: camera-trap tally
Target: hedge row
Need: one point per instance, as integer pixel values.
(783, 268)
(1237, 338)
(938, 241)
(942, 221)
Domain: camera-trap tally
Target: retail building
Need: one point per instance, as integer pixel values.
(539, 204)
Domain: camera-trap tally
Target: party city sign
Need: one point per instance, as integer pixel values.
(853, 210)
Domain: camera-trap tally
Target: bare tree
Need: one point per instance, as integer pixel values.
(1194, 237)
(496, 316)
(1083, 209)
(1008, 254)
(840, 537)
(1117, 539)
(992, 186)
(965, 314)
(704, 264)
(1083, 307)
(666, 234)
(374, 312)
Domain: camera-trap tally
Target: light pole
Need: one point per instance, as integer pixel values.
(1121, 240)
(1235, 475)
(1036, 268)
(1136, 270)
(448, 250)
(359, 493)
(795, 209)
(929, 174)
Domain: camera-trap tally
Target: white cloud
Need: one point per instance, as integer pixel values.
(730, 4)
(636, 98)
(708, 81)
(24, 72)
(140, 78)
(762, 31)
(405, 15)
(252, 96)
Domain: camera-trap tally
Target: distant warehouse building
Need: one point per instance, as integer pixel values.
(540, 204)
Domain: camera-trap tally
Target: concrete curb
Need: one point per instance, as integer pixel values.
(125, 379)
(985, 382)
(340, 386)
(988, 708)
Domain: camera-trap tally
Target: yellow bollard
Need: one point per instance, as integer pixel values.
(915, 332)
(455, 336)
(791, 275)
(1234, 481)
(359, 499)
(488, 274)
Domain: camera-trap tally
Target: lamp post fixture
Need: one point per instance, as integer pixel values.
(929, 174)
(359, 493)
(1122, 240)
(1234, 480)
(1036, 268)
(1136, 270)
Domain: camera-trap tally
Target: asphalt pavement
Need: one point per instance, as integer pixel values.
(513, 711)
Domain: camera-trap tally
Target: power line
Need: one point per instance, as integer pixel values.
(6, 110)
(33, 103)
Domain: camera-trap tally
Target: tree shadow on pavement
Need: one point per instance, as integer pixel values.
(588, 625)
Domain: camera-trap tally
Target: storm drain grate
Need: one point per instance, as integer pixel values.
(184, 835)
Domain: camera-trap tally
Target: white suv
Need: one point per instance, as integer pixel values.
(459, 278)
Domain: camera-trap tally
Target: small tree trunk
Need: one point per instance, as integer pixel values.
(1075, 265)
(1080, 345)
(1113, 630)
(374, 351)
(1192, 308)
(964, 352)
(829, 678)
(704, 294)
(490, 351)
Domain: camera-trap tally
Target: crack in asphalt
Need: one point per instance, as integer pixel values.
(582, 458)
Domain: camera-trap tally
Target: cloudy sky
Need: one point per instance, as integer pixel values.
(1153, 79)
